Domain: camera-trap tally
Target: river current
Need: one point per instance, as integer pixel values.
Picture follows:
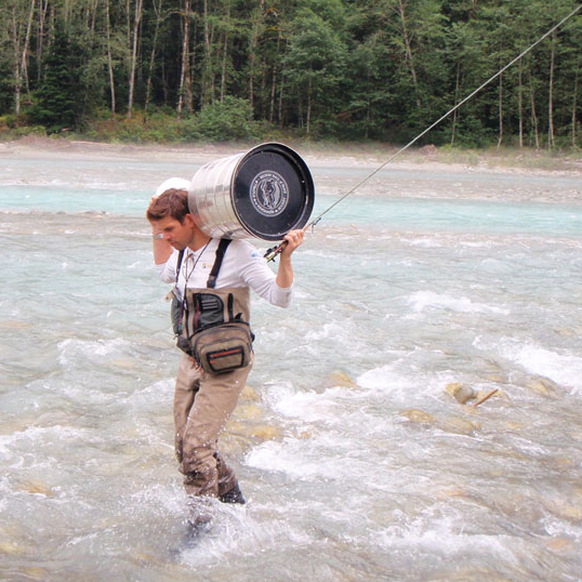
(357, 461)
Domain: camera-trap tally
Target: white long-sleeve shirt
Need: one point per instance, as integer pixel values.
(242, 266)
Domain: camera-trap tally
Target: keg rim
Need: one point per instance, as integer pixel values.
(307, 178)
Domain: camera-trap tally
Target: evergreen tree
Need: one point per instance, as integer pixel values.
(59, 100)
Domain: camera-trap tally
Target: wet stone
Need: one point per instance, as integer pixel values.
(10, 548)
(460, 392)
(36, 488)
(342, 379)
(543, 387)
(248, 412)
(418, 416)
(249, 393)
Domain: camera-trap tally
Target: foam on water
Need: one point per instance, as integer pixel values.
(422, 300)
(564, 368)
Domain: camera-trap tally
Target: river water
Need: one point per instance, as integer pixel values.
(357, 462)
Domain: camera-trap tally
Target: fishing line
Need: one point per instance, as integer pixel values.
(273, 252)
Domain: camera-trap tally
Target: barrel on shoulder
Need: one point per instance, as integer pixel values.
(263, 193)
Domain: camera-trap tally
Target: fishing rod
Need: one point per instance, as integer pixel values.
(271, 253)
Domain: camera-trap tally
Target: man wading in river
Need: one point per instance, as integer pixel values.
(210, 315)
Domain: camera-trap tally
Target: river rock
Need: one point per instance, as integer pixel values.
(561, 545)
(418, 416)
(459, 425)
(10, 548)
(460, 392)
(249, 393)
(543, 386)
(35, 573)
(265, 432)
(14, 324)
(248, 412)
(36, 488)
(342, 379)
(564, 508)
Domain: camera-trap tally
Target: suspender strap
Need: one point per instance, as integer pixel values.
(180, 258)
(222, 246)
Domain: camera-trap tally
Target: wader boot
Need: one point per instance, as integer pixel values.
(233, 496)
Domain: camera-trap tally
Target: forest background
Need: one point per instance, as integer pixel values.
(188, 70)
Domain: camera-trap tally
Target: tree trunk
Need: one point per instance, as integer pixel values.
(274, 81)
(520, 102)
(136, 21)
(207, 74)
(534, 116)
(551, 141)
(109, 57)
(21, 56)
(456, 112)
(40, 37)
(253, 49)
(575, 103)
(408, 50)
(308, 116)
(158, 11)
(184, 88)
(500, 107)
(224, 56)
(281, 94)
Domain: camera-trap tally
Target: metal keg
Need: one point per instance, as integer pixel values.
(263, 193)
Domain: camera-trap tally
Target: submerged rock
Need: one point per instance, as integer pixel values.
(265, 432)
(451, 424)
(248, 412)
(10, 548)
(561, 545)
(342, 379)
(35, 573)
(36, 488)
(419, 416)
(249, 393)
(459, 425)
(543, 386)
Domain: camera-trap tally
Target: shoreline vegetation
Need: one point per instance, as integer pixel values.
(324, 154)
(339, 71)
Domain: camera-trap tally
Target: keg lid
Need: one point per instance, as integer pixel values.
(273, 191)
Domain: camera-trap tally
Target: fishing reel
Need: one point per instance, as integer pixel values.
(270, 254)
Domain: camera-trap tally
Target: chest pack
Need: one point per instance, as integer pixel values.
(211, 325)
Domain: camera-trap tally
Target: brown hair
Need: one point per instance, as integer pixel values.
(172, 203)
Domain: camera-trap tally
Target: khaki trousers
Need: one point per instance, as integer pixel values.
(202, 405)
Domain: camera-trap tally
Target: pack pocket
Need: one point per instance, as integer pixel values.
(223, 348)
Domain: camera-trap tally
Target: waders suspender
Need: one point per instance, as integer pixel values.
(180, 257)
(222, 246)
(220, 251)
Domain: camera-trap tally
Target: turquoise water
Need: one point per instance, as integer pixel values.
(357, 462)
(371, 211)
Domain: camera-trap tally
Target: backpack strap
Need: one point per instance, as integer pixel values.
(220, 251)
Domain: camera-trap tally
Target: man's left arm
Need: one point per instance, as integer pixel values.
(293, 239)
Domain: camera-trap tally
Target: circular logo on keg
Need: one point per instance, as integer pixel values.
(269, 193)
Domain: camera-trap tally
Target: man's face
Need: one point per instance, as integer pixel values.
(178, 234)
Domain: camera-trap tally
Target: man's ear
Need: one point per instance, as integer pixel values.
(189, 220)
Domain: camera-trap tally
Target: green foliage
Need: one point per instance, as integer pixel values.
(59, 98)
(6, 87)
(228, 120)
(323, 69)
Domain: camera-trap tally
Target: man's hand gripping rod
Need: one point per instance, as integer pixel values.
(271, 253)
